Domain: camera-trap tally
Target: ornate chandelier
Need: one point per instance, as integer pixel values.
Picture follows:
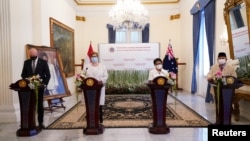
(128, 14)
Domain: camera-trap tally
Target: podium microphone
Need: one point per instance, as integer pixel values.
(86, 71)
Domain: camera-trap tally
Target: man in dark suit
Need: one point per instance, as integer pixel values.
(37, 66)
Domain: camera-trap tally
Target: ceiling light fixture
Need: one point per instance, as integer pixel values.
(128, 14)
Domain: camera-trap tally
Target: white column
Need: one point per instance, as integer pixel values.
(7, 110)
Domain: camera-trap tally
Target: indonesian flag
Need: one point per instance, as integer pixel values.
(90, 51)
(169, 62)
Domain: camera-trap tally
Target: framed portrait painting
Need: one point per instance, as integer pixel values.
(62, 37)
(57, 86)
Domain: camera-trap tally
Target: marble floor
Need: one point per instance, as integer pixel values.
(196, 102)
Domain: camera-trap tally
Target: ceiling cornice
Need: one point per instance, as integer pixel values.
(112, 2)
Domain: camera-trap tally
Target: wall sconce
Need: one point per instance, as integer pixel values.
(79, 18)
(177, 16)
(224, 39)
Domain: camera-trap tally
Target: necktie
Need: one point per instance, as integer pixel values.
(33, 66)
(221, 68)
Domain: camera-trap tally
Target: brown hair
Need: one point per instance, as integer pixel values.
(94, 53)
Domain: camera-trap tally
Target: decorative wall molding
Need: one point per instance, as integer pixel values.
(112, 2)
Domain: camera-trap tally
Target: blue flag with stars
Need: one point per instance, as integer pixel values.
(169, 61)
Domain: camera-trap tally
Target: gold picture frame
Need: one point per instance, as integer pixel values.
(62, 37)
(237, 19)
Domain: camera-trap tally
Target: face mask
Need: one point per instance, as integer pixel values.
(159, 66)
(33, 57)
(222, 61)
(94, 59)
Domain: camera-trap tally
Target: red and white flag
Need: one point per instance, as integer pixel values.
(90, 51)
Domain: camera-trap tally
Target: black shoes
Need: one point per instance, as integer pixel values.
(41, 126)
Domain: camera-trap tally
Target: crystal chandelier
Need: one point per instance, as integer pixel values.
(128, 14)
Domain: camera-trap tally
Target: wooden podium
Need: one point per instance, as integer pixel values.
(92, 90)
(27, 100)
(223, 99)
(159, 92)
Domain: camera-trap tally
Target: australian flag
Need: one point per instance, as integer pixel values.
(169, 61)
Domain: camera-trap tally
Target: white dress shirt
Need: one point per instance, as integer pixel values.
(155, 73)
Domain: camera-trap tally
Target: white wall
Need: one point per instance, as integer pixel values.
(186, 41)
(21, 33)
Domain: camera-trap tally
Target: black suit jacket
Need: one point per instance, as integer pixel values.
(42, 69)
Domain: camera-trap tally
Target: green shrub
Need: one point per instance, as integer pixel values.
(127, 82)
